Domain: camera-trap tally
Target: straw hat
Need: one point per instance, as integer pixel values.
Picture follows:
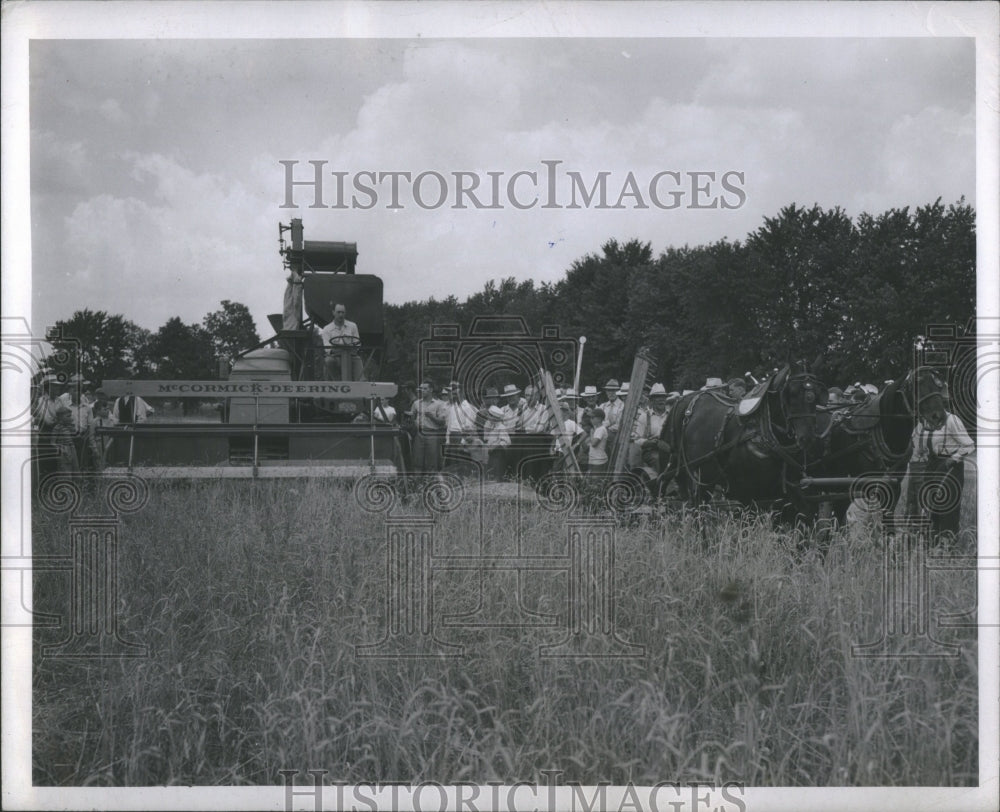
(496, 412)
(589, 392)
(612, 384)
(657, 389)
(510, 389)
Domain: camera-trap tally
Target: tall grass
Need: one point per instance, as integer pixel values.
(252, 599)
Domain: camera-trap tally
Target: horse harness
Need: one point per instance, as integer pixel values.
(758, 434)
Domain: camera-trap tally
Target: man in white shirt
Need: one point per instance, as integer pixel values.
(513, 408)
(612, 407)
(130, 409)
(648, 425)
(597, 442)
(569, 430)
(588, 400)
(535, 417)
(461, 416)
(338, 334)
(940, 446)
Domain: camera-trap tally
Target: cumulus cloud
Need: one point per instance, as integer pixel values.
(179, 210)
(112, 111)
(194, 240)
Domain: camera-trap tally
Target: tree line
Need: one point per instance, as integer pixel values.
(105, 346)
(807, 281)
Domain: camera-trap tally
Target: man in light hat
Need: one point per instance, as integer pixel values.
(513, 408)
(44, 417)
(570, 398)
(647, 428)
(587, 402)
(497, 441)
(47, 401)
(612, 406)
(88, 454)
(491, 398)
(77, 390)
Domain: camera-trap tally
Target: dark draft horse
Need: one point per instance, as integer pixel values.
(751, 450)
(872, 439)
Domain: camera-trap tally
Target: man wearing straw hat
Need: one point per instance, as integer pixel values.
(513, 408)
(647, 428)
(588, 401)
(88, 453)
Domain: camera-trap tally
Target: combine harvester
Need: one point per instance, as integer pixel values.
(279, 417)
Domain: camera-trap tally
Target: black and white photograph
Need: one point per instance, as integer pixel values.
(500, 406)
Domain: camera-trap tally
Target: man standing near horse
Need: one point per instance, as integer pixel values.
(646, 443)
(937, 467)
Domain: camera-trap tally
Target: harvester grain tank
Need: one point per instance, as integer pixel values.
(282, 416)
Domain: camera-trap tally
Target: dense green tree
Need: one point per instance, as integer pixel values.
(802, 262)
(179, 351)
(593, 301)
(231, 330)
(100, 345)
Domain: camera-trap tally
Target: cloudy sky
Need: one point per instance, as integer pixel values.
(156, 187)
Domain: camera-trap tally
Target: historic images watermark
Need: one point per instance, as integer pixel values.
(414, 505)
(958, 365)
(548, 794)
(549, 186)
(94, 504)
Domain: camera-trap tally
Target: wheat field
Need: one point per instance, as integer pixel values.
(252, 598)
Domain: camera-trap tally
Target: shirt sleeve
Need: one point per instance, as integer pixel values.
(957, 441)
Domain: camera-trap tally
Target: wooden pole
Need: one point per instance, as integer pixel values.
(640, 368)
(579, 366)
(549, 391)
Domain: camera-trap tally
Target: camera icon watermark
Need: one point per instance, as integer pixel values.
(496, 350)
(963, 361)
(95, 506)
(28, 365)
(415, 504)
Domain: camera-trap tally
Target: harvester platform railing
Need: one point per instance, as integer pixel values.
(255, 431)
(333, 390)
